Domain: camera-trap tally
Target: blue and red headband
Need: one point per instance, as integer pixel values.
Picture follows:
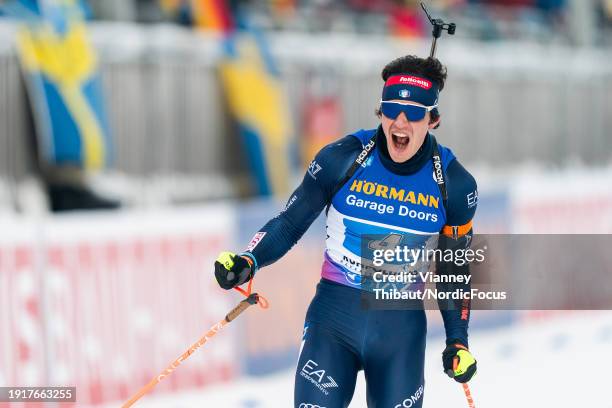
(409, 87)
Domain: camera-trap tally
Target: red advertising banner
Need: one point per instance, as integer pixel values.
(105, 302)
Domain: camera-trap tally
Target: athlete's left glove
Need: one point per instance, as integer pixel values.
(232, 270)
(466, 367)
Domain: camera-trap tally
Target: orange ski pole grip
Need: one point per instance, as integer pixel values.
(241, 307)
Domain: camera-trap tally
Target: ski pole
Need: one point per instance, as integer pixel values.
(234, 313)
(466, 388)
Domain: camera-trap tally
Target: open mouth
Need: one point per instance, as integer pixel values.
(400, 141)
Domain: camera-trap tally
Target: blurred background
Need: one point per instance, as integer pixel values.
(138, 138)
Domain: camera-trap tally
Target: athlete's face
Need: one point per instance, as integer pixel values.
(405, 137)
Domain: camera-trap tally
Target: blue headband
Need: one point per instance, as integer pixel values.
(408, 87)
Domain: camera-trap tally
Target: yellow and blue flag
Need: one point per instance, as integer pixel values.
(62, 79)
(251, 84)
(256, 100)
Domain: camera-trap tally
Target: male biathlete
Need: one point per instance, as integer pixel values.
(396, 182)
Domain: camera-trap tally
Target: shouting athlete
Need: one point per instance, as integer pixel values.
(394, 182)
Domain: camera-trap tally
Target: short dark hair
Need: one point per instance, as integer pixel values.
(430, 68)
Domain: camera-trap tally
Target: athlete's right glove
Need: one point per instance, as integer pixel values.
(232, 270)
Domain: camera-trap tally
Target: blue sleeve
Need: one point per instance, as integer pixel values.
(462, 202)
(306, 203)
(462, 195)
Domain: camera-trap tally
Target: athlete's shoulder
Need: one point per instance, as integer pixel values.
(462, 193)
(347, 146)
(446, 155)
(333, 161)
(364, 135)
(461, 189)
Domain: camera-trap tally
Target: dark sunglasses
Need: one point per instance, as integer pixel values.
(413, 113)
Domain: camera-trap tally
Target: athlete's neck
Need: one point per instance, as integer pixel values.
(410, 166)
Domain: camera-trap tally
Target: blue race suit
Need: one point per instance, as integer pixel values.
(401, 201)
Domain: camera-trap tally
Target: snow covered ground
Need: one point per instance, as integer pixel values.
(560, 362)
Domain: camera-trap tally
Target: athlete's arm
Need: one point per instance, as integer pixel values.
(457, 234)
(306, 203)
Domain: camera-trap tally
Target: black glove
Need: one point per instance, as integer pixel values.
(466, 367)
(232, 270)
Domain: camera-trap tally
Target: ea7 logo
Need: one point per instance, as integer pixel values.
(313, 169)
(472, 199)
(317, 377)
(330, 384)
